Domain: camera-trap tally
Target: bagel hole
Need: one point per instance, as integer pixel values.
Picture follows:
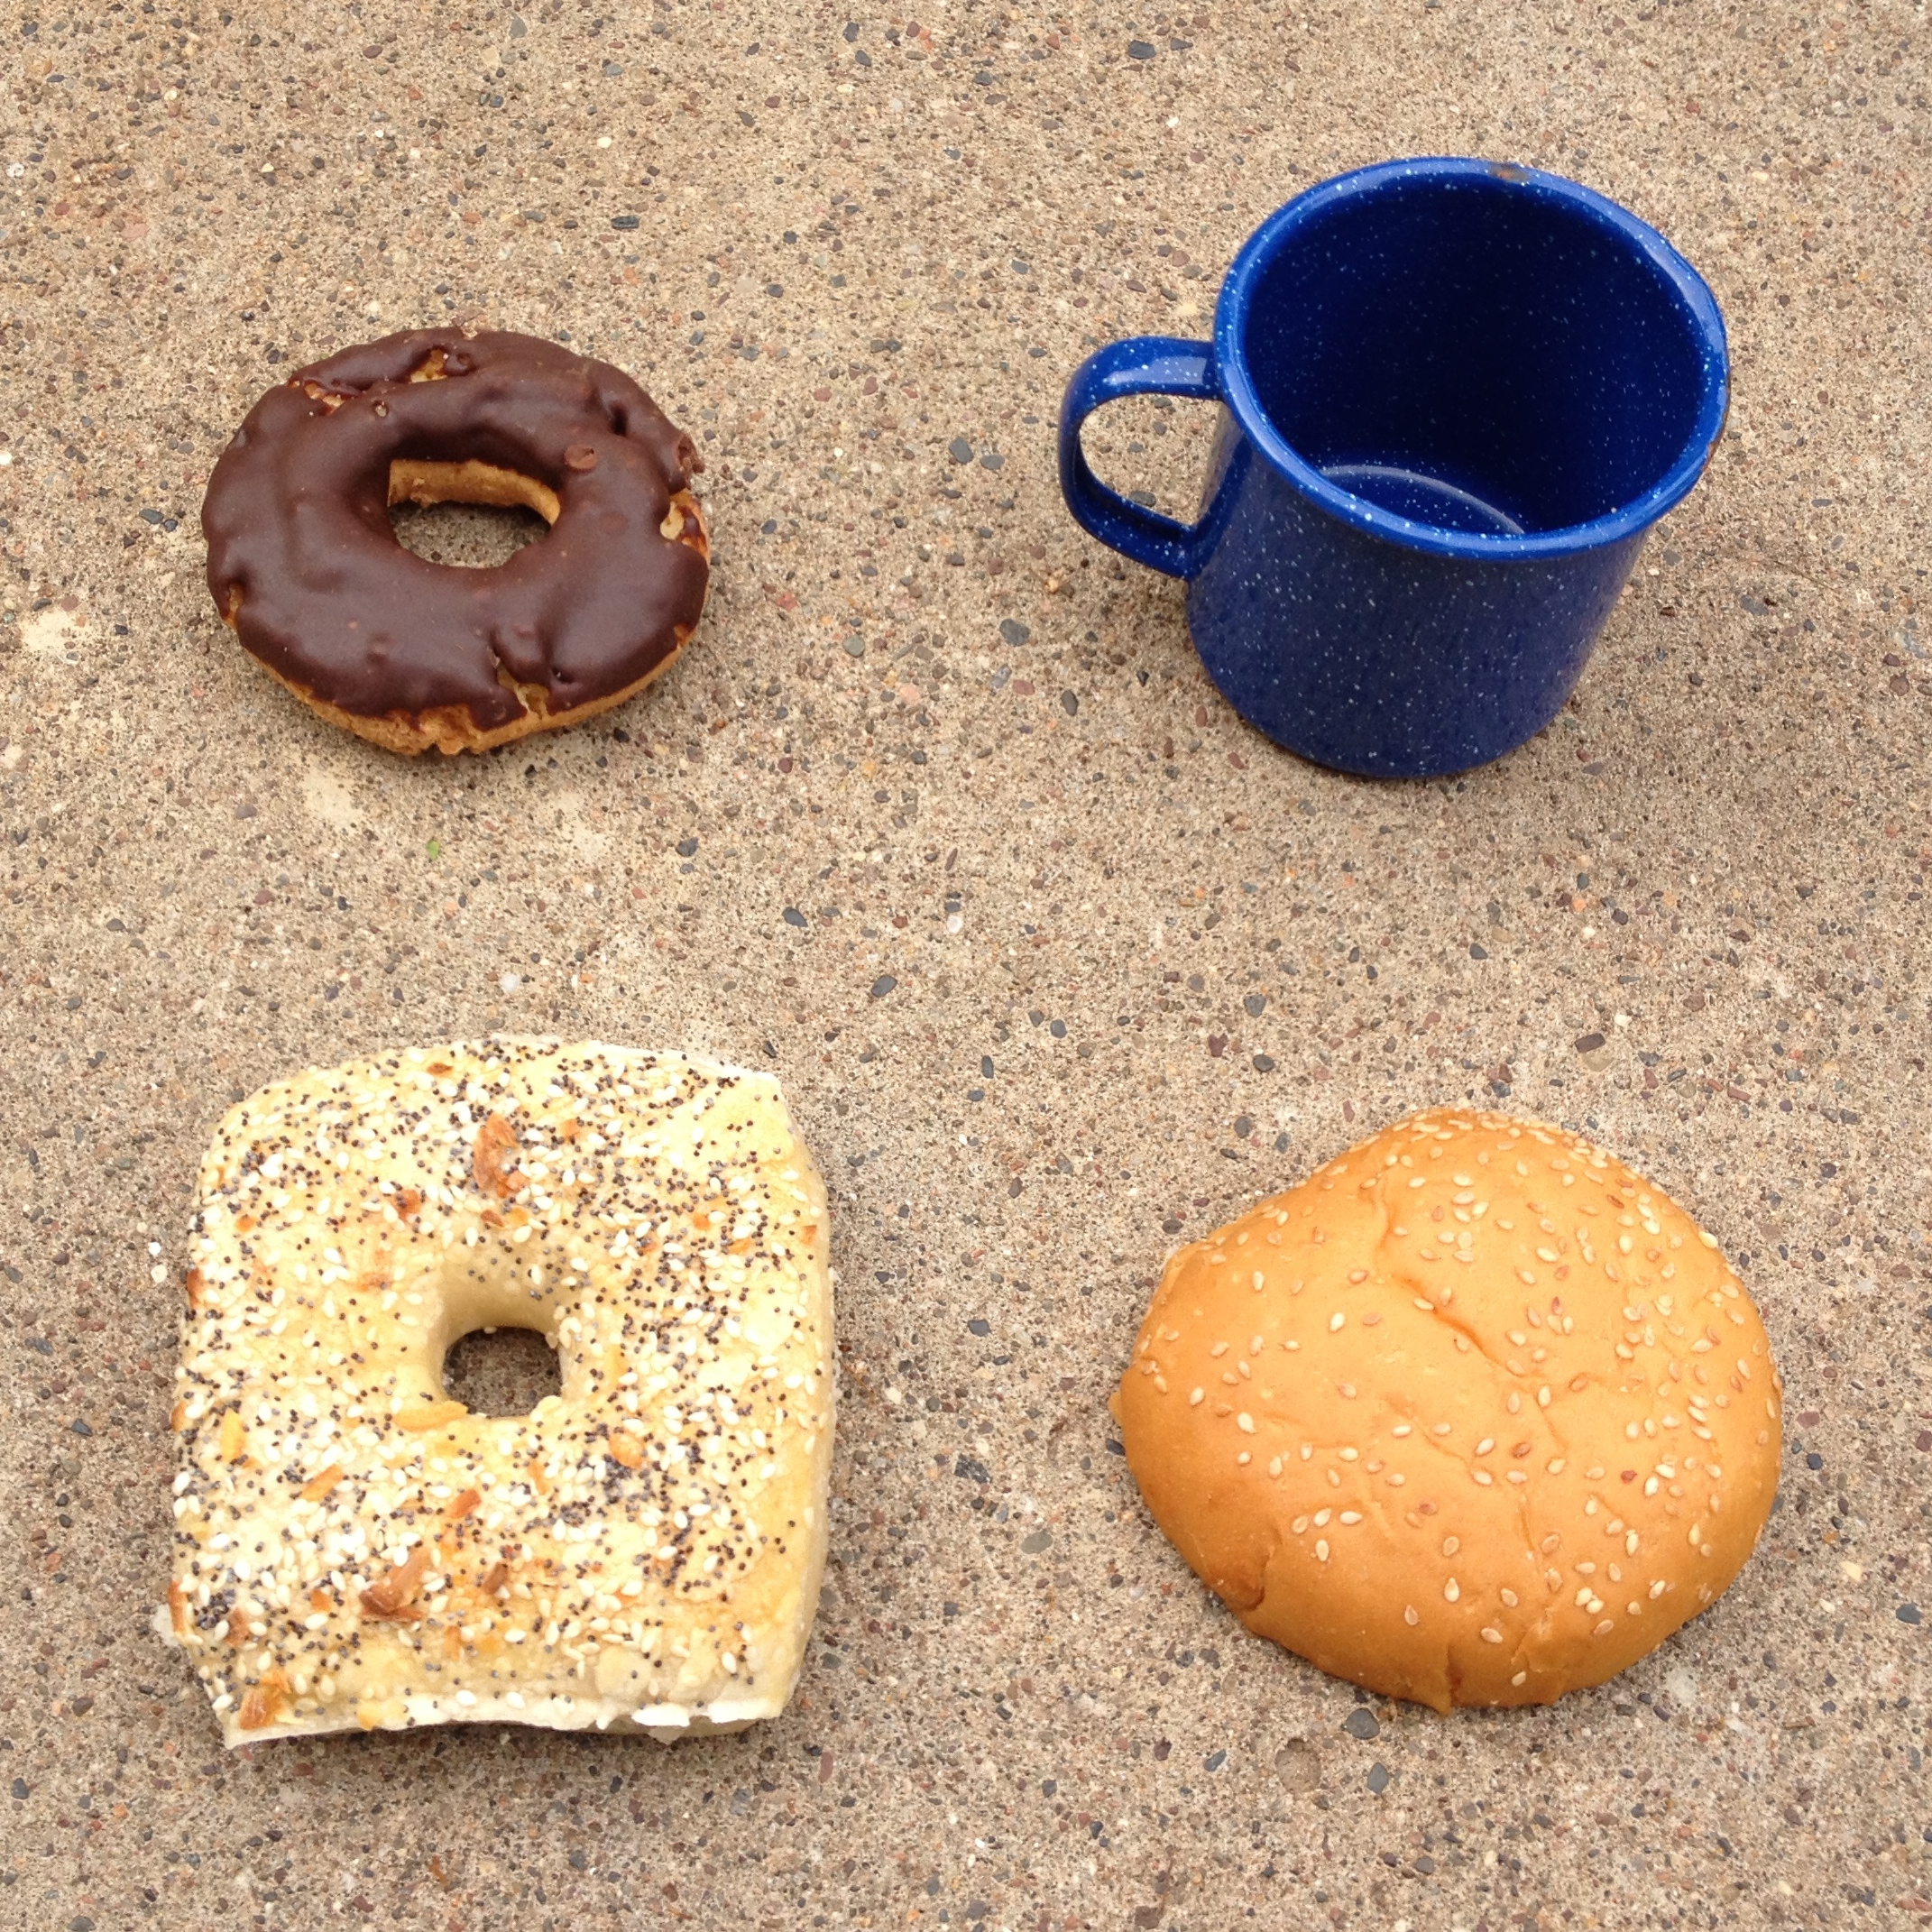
(502, 1371)
(468, 536)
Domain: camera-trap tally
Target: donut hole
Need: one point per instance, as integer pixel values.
(471, 516)
(502, 1371)
(466, 536)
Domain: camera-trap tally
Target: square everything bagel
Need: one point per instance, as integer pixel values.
(642, 1551)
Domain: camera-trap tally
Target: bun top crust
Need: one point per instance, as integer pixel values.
(1475, 1414)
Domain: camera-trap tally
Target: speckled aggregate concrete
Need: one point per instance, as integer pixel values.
(940, 819)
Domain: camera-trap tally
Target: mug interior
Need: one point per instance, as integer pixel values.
(1473, 353)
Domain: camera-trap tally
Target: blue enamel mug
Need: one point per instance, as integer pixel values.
(1455, 397)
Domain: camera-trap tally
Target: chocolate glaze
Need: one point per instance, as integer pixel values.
(296, 521)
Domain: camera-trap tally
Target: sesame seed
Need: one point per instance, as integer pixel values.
(1409, 1614)
(1321, 1549)
(1336, 1321)
(1195, 1396)
(1489, 1636)
(1452, 1590)
(1245, 1423)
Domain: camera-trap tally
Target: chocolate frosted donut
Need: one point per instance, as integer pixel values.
(306, 568)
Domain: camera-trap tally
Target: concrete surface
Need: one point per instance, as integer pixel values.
(1020, 1712)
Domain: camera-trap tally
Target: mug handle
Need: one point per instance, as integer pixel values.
(1142, 365)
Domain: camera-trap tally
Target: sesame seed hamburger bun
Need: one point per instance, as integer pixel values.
(1474, 1415)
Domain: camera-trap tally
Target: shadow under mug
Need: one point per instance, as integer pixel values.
(1457, 394)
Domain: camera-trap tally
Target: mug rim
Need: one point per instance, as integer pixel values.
(1629, 519)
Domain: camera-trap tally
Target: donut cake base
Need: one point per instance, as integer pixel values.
(641, 1552)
